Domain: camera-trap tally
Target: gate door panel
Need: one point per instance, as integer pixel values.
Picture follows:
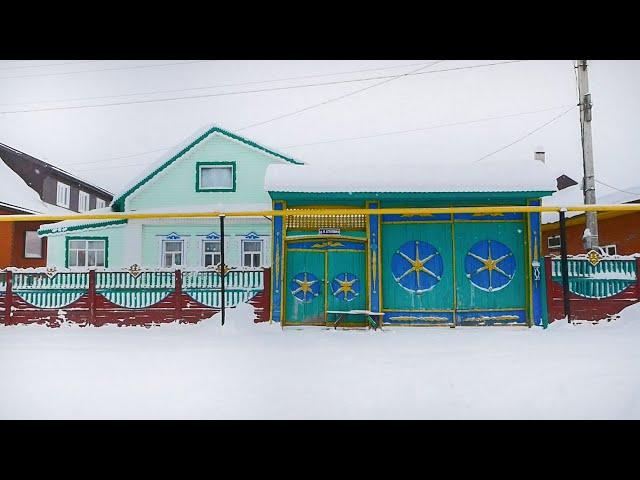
(304, 287)
(346, 280)
(490, 272)
(417, 280)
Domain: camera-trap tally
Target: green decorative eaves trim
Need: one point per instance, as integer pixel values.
(84, 226)
(402, 196)
(118, 203)
(211, 189)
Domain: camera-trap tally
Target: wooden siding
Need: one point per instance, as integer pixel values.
(176, 184)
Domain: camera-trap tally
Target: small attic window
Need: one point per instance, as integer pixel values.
(216, 176)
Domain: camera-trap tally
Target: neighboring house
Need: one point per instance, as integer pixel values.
(618, 232)
(54, 185)
(31, 186)
(213, 170)
(433, 269)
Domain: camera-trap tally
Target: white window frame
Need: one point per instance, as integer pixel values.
(86, 250)
(228, 188)
(84, 197)
(27, 254)
(63, 195)
(549, 246)
(252, 253)
(163, 253)
(100, 203)
(605, 249)
(214, 254)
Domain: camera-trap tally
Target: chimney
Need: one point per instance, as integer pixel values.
(539, 156)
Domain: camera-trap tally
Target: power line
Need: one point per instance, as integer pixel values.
(222, 94)
(527, 135)
(104, 69)
(322, 103)
(120, 157)
(220, 85)
(295, 112)
(75, 62)
(397, 132)
(616, 188)
(431, 127)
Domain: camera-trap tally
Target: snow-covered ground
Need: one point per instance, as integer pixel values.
(259, 371)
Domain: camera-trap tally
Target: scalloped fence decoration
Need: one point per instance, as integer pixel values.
(144, 297)
(597, 290)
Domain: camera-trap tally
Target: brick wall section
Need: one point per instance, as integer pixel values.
(12, 236)
(620, 230)
(6, 241)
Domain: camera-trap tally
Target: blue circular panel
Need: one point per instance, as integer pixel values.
(490, 265)
(345, 286)
(417, 266)
(305, 287)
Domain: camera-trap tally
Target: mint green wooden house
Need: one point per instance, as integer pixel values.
(214, 170)
(419, 270)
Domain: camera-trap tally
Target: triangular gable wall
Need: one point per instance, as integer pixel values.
(119, 202)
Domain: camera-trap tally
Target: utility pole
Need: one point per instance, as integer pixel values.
(590, 238)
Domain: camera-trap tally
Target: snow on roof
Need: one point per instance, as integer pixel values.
(411, 176)
(57, 169)
(17, 194)
(181, 148)
(573, 196)
(62, 226)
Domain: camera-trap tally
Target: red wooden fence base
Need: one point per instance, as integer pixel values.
(92, 308)
(590, 309)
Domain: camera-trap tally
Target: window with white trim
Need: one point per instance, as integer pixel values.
(63, 195)
(609, 249)
(86, 253)
(251, 252)
(83, 201)
(100, 203)
(172, 253)
(32, 244)
(553, 241)
(216, 177)
(211, 254)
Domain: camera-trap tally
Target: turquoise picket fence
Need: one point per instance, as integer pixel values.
(43, 291)
(125, 290)
(607, 278)
(240, 286)
(142, 290)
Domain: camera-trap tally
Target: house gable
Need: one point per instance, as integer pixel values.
(172, 181)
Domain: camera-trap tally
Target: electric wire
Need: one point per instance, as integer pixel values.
(241, 92)
(206, 87)
(431, 127)
(397, 132)
(526, 135)
(616, 188)
(130, 67)
(334, 99)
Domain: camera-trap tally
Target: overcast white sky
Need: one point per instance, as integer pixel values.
(72, 138)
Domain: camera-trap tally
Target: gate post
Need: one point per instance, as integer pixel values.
(92, 296)
(178, 295)
(8, 297)
(564, 266)
(222, 268)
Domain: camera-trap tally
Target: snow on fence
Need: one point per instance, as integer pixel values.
(127, 297)
(596, 291)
